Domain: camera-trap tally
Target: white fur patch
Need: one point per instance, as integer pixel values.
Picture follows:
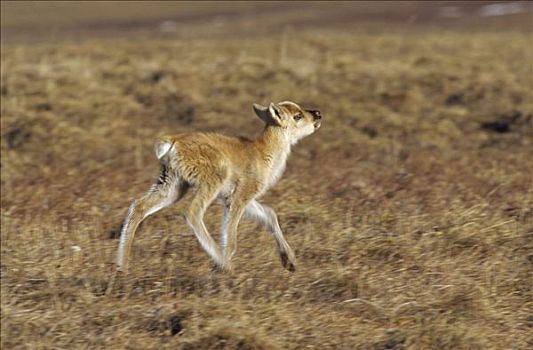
(123, 238)
(224, 230)
(302, 132)
(161, 148)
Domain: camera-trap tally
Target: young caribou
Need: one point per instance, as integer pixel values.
(235, 170)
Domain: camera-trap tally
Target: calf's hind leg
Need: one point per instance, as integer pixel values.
(161, 195)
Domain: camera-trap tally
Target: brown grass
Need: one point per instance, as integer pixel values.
(410, 210)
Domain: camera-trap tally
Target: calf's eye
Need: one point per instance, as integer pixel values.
(298, 116)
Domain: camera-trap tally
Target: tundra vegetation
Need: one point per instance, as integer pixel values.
(409, 211)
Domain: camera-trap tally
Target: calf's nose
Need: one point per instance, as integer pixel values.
(316, 115)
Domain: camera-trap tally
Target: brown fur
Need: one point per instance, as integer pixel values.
(235, 170)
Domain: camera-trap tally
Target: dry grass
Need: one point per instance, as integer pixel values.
(410, 210)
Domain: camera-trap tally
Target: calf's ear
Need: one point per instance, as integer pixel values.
(269, 115)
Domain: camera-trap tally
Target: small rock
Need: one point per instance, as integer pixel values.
(370, 131)
(155, 77)
(16, 137)
(499, 126)
(44, 106)
(455, 99)
(174, 324)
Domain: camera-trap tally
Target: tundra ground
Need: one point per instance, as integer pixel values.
(410, 210)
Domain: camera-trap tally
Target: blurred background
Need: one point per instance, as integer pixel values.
(410, 210)
(56, 20)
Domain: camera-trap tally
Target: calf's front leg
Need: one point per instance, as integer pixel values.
(266, 216)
